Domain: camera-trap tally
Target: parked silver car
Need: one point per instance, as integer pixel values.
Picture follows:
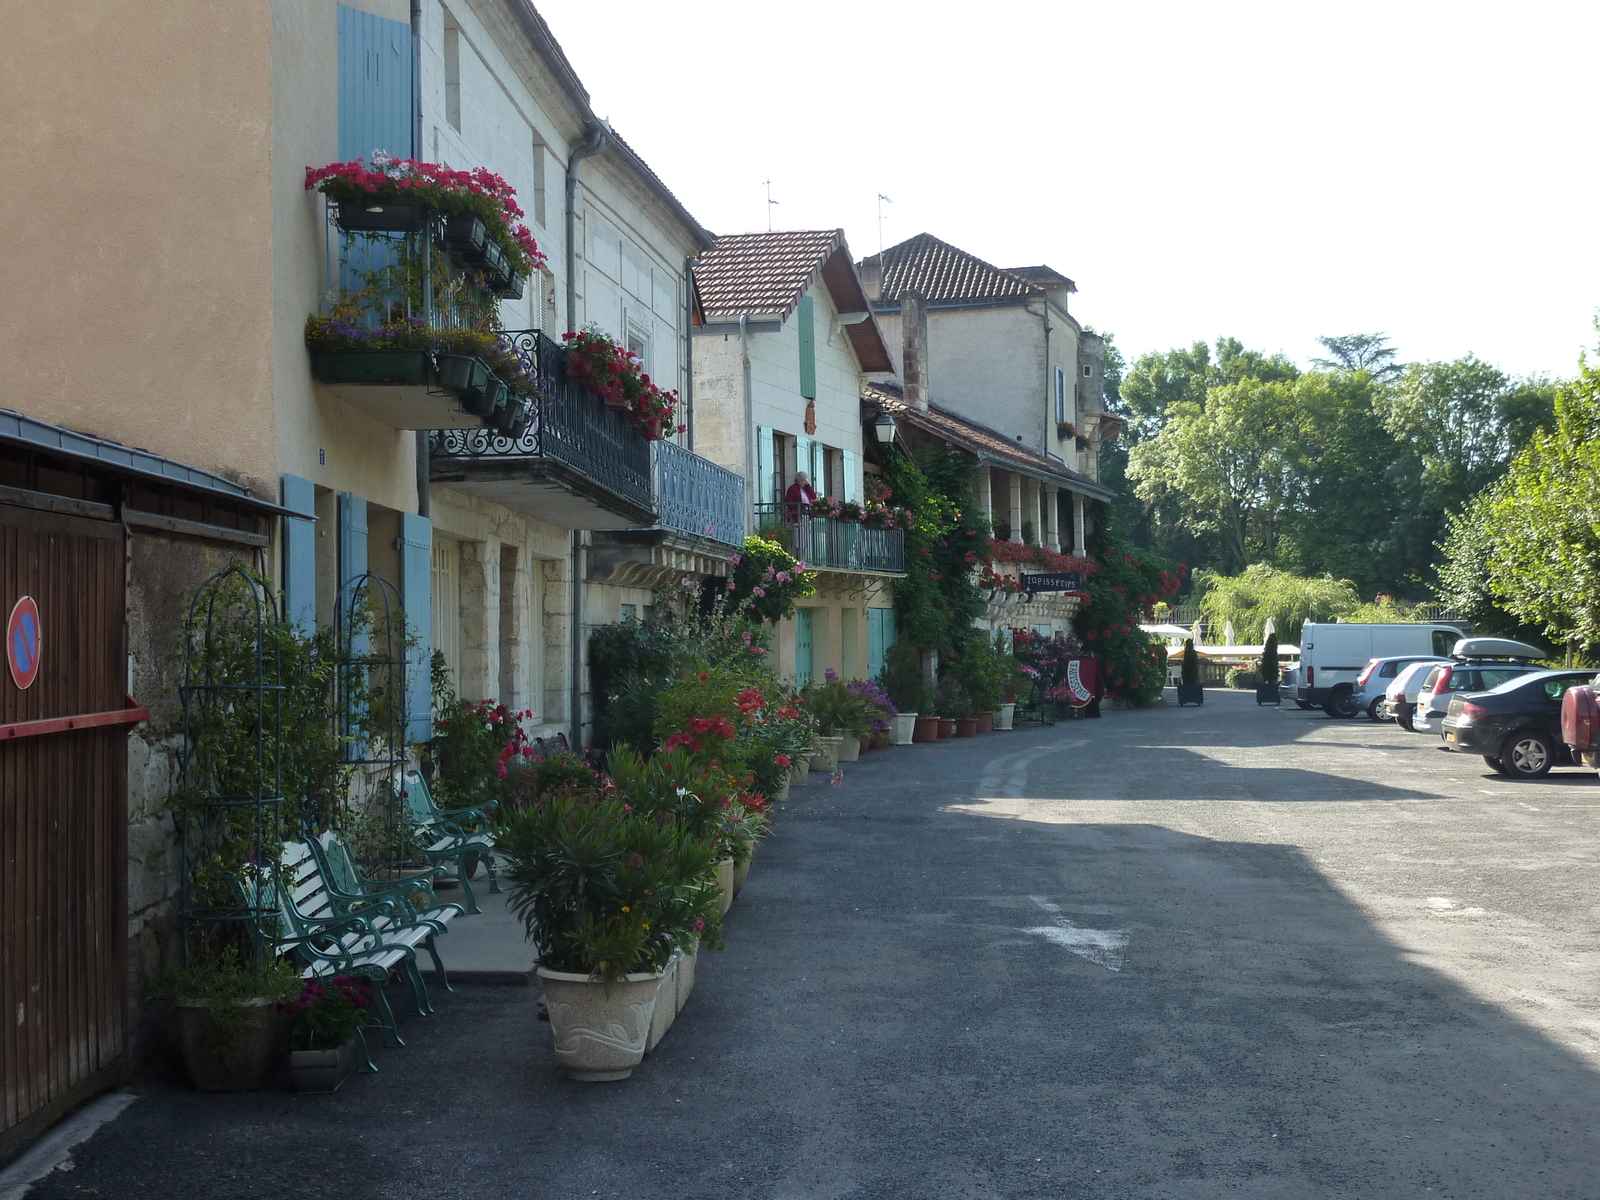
(1377, 675)
(1400, 697)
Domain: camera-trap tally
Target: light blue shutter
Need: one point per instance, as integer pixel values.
(802, 646)
(300, 554)
(803, 462)
(416, 597)
(766, 483)
(805, 322)
(375, 86)
(851, 488)
(819, 468)
(880, 636)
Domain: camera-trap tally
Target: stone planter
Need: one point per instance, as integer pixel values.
(986, 722)
(927, 730)
(798, 770)
(321, 1070)
(666, 1010)
(1191, 693)
(901, 727)
(966, 726)
(947, 728)
(686, 976)
(827, 758)
(742, 872)
(1267, 693)
(1004, 716)
(781, 792)
(600, 1029)
(237, 1066)
(849, 748)
(725, 885)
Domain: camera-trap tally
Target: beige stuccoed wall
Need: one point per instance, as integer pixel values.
(136, 210)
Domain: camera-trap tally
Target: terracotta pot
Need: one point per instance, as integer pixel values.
(947, 727)
(903, 727)
(926, 729)
(600, 1029)
(986, 722)
(1005, 716)
(239, 1066)
(966, 726)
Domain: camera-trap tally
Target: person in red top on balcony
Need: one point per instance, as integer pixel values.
(800, 495)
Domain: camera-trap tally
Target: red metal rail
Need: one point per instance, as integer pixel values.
(131, 715)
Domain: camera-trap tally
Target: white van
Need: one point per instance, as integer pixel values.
(1331, 656)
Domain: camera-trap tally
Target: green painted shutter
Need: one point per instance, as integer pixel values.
(416, 598)
(300, 554)
(850, 488)
(881, 634)
(802, 462)
(802, 646)
(767, 491)
(805, 321)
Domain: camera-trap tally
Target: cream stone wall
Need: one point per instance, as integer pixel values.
(136, 205)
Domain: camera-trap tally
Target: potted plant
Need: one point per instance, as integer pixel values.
(326, 1021)
(1267, 687)
(609, 889)
(842, 717)
(1190, 691)
(881, 713)
(907, 686)
(227, 1018)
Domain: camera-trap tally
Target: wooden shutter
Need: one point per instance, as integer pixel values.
(300, 554)
(802, 646)
(880, 636)
(766, 473)
(416, 597)
(802, 462)
(375, 86)
(851, 485)
(805, 323)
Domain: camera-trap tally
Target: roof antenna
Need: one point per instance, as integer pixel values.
(770, 203)
(882, 199)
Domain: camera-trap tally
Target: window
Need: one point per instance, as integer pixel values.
(446, 617)
(1061, 397)
(452, 72)
(1088, 370)
(1443, 641)
(639, 343)
(629, 612)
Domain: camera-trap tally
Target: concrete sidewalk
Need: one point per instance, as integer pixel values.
(485, 947)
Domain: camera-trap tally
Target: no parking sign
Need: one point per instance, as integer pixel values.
(24, 642)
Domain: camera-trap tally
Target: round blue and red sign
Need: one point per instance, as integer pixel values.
(24, 642)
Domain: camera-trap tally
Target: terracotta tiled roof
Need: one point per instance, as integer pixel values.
(943, 273)
(763, 275)
(988, 445)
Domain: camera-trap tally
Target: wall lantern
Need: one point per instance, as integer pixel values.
(884, 424)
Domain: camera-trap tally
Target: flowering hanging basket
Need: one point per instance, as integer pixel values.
(612, 373)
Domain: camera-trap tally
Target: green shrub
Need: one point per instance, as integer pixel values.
(836, 710)
(1191, 663)
(904, 679)
(1242, 677)
(1269, 660)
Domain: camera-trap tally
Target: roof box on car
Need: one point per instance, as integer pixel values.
(1489, 647)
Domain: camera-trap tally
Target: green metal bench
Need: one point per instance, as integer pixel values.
(1039, 710)
(449, 835)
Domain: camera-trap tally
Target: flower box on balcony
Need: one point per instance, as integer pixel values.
(466, 377)
(511, 288)
(372, 366)
(382, 216)
(467, 236)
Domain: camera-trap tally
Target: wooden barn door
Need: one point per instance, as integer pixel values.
(63, 817)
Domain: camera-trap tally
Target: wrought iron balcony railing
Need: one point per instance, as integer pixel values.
(832, 544)
(697, 496)
(588, 445)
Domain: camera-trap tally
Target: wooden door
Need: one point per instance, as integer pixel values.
(63, 823)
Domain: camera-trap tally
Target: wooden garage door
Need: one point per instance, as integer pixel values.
(63, 822)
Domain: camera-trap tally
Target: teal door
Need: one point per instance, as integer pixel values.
(880, 636)
(802, 646)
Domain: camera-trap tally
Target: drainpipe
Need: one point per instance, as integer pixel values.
(423, 470)
(751, 466)
(1049, 390)
(688, 349)
(577, 641)
(596, 142)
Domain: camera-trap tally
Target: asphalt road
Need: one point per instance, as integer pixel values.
(1186, 953)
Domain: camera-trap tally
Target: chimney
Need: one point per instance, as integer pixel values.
(914, 334)
(872, 276)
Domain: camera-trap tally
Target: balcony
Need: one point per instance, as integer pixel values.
(579, 464)
(829, 544)
(695, 496)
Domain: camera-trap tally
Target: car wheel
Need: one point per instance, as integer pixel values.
(1496, 765)
(1528, 754)
(1302, 704)
(1375, 711)
(1404, 721)
(1342, 703)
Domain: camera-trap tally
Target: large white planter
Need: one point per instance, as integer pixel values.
(901, 726)
(1004, 716)
(742, 871)
(725, 885)
(849, 748)
(666, 1004)
(827, 758)
(686, 976)
(798, 770)
(600, 1029)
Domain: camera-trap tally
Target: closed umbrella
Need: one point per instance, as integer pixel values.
(1227, 635)
(1270, 629)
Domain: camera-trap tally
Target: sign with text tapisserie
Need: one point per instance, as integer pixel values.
(1061, 581)
(24, 642)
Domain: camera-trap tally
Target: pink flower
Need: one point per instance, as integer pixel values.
(733, 560)
(836, 779)
(758, 591)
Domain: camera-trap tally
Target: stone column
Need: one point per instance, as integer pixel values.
(1077, 523)
(1016, 507)
(479, 677)
(1036, 509)
(986, 494)
(1052, 521)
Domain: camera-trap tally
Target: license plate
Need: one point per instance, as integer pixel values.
(1449, 737)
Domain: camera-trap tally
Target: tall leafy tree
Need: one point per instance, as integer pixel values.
(1369, 352)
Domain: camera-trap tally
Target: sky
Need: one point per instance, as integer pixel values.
(1266, 171)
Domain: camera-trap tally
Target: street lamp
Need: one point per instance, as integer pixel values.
(884, 425)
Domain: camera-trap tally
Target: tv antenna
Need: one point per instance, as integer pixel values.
(770, 204)
(882, 200)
